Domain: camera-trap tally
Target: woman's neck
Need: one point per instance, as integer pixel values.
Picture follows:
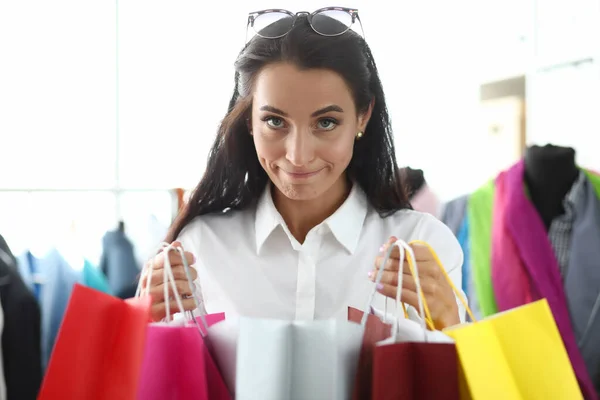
(301, 216)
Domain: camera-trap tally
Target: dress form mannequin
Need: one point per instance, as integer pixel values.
(550, 171)
(414, 179)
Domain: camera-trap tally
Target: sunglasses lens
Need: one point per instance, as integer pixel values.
(273, 24)
(331, 22)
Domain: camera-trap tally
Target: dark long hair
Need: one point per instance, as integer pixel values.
(234, 178)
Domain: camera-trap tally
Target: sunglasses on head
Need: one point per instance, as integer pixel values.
(328, 21)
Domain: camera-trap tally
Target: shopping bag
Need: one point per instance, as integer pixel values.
(515, 355)
(274, 359)
(99, 348)
(271, 359)
(177, 364)
(413, 362)
(376, 330)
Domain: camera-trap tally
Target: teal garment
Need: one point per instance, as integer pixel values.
(95, 278)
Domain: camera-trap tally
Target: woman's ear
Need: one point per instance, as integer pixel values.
(363, 119)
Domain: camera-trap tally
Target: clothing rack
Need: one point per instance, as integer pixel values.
(568, 64)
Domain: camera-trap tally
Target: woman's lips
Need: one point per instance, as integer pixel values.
(303, 175)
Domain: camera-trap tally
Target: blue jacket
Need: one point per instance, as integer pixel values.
(51, 280)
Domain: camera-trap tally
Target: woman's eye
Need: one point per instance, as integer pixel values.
(274, 122)
(327, 124)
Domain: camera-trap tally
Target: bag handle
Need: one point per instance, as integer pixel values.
(166, 248)
(197, 302)
(168, 277)
(403, 248)
(457, 292)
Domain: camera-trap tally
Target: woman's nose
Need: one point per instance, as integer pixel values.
(300, 148)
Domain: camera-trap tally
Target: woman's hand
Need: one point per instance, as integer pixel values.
(157, 285)
(438, 293)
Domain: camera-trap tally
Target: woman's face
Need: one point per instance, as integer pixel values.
(304, 124)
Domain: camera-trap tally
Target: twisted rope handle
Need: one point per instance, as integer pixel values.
(457, 292)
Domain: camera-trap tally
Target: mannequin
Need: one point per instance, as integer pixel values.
(550, 171)
(414, 179)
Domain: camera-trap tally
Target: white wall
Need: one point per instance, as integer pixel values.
(58, 89)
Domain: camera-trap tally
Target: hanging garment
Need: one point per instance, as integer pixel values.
(582, 275)
(453, 213)
(118, 261)
(51, 280)
(513, 262)
(93, 277)
(511, 284)
(463, 239)
(21, 336)
(6, 255)
(2, 377)
(425, 200)
(414, 179)
(480, 213)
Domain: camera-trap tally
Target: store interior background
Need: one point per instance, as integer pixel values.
(107, 107)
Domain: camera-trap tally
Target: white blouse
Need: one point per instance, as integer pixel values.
(249, 264)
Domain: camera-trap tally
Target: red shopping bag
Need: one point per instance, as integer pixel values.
(414, 362)
(412, 370)
(178, 365)
(99, 349)
(375, 331)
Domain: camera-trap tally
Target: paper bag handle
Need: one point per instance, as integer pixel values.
(166, 247)
(447, 277)
(402, 247)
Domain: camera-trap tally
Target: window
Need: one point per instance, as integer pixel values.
(73, 222)
(147, 216)
(57, 94)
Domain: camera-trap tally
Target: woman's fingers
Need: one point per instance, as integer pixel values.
(392, 263)
(174, 258)
(406, 296)
(178, 274)
(158, 292)
(387, 277)
(159, 310)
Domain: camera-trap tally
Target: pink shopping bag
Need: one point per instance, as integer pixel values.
(178, 365)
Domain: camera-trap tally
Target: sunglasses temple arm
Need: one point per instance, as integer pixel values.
(361, 26)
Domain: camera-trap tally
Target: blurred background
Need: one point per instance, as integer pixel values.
(108, 108)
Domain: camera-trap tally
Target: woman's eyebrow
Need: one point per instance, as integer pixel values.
(274, 110)
(327, 109)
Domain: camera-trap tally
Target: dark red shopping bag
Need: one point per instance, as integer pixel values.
(99, 349)
(375, 331)
(411, 371)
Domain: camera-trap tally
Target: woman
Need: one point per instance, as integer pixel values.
(302, 187)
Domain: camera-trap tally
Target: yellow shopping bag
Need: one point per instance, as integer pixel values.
(515, 355)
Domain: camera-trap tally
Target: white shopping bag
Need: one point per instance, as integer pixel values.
(268, 359)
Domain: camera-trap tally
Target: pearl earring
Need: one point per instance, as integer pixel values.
(359, 135)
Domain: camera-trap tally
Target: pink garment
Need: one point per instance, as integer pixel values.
(510, 280)
(525, 226)
(426, 201)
